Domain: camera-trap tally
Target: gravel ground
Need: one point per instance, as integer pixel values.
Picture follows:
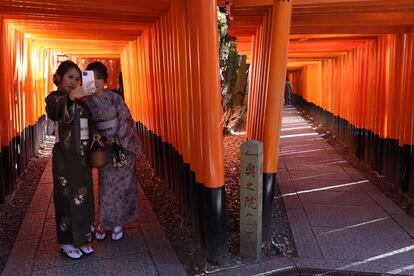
(14, 208)
(179, 234)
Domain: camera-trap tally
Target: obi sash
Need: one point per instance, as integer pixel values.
(108, 128)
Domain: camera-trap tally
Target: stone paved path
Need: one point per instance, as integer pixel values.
(338, 218)
(144, 250)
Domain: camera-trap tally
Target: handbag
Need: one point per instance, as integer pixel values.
(98, 154)
(118, 154)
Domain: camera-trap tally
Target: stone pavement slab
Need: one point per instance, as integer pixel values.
(47, 255)
(316, 184)
(290, 198)
(406, 222)
(372, 265)
(49, 230)
(136, 264)
(20, 260)
(322, 215)
(336, 197)
(41, 198)
(165, 260)
(335, 155)
(305, 240)
(272, 267)
(288, 147)
(351, 171)
(31, 228)
(386, 203)
(361, 244)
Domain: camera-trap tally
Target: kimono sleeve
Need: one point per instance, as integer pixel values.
(127, 133)
(59, 107)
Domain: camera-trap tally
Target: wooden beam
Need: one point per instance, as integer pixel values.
(304, 55)
(354, 19)
(252, 3)
(310, 2)
(80, 14)
(335, 29)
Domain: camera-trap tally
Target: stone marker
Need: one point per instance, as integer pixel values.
(251, 196)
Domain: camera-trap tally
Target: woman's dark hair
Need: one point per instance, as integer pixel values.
(99, 68)
(63, 68)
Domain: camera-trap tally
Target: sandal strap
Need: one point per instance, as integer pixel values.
(118, 235)
(72, 253)
(86, 249)
(100, 235)
(118, 232)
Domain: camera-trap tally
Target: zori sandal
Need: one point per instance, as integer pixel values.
(71, 252)
(117, 233)
(86, 249)
(100, 235)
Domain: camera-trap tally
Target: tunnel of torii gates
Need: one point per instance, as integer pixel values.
(350, 63)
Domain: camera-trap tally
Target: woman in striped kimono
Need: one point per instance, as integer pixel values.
(118, 199)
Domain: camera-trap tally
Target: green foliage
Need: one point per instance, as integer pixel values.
(222, 32)
(229, 58)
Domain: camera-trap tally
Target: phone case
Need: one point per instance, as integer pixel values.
(88, 77)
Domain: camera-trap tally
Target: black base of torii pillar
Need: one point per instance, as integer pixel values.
(269, 184)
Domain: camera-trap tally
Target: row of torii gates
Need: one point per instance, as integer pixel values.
(350, 61)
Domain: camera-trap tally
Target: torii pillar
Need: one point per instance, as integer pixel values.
(281, 18)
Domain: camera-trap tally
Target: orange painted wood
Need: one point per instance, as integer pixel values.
(213, 151)
(354, 58)
(4, 114)
(281, 20)
(371, 83)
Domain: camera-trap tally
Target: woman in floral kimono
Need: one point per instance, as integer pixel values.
(118, 202)
(72, 178)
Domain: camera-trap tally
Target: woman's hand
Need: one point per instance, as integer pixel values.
(85, 90)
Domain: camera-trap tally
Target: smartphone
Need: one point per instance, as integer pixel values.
(88, 77)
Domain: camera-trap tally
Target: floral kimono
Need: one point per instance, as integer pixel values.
(72, 177)
(118, 199)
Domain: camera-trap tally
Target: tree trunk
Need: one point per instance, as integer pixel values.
(235, 101)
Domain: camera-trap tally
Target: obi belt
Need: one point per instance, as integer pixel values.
(108, 128)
